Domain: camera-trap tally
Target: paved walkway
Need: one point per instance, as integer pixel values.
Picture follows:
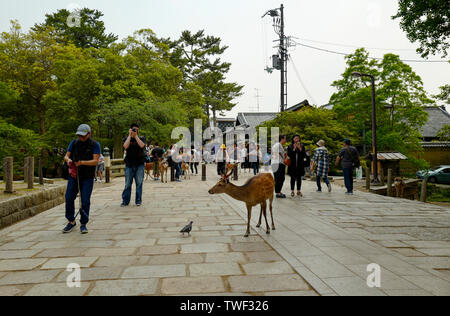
(322, 246)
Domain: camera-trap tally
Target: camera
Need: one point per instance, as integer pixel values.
(134, 130)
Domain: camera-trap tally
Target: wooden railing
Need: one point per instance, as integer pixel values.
(117, 168)
(28, 173)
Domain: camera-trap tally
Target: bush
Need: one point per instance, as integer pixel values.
(18, 143)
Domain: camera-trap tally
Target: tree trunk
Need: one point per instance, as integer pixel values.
(41, 111)
(118, 147)
(207, 112)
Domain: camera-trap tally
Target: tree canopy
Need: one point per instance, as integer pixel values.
(89, 33)
(428, 23)
(400, 98)
(58, 75)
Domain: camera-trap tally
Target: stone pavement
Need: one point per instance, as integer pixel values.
(322, 246)
(331, 238)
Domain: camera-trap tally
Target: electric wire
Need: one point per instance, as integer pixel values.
(374, 58)
(356, 46)
(301, 81)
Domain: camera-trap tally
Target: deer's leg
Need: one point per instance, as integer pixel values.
(249, 213)
(260, 217)
(264, 209)
(271, 213)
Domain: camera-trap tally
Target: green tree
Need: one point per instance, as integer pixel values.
(89, 33)
(426, 22)
(18, 143)
(198, 57)
(75, 98)
(444, 134)
(8, 100)
(400, 98)
(157, 119)
(444, 95)
(26, 66)
(312, 124)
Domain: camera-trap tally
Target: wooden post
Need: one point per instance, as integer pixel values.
(41, 177)
(383, 182)
(367, 179)
(107, 169)
(235, 174)
(389, 183)
(30, 172)
(25, 169)
(8, 174)
(203, 171)
(423, 194)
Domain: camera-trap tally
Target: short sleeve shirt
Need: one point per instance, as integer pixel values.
(278, 154)
(346, 155)
(97, 150)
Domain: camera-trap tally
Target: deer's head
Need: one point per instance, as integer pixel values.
(222, 185)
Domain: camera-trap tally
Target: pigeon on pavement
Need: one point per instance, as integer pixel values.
(187, 229)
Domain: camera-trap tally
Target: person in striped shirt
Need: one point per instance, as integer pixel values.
(321, 163)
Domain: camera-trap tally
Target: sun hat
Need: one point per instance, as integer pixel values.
(321, 143)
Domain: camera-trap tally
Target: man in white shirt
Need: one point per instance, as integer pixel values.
(278, 166)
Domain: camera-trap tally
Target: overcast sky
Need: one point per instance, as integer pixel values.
(364, 23)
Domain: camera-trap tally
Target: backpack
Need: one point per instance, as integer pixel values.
(355, 159)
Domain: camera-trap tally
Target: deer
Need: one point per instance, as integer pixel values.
(148, 169)
(256, 190)
(231, 166)
(400, 187)
(164, 169)
(185, 169)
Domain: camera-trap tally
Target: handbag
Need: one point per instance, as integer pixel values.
(287, 161)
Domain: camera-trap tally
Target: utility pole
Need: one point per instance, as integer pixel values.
(283, 55)
(280, 60)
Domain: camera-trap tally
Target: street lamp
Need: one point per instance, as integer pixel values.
(374, 126)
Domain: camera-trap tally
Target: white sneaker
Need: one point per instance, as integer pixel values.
(329, 188)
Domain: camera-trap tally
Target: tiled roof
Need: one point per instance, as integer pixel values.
(298, 106)
(436, 145)
(254, 119)
(438, 117)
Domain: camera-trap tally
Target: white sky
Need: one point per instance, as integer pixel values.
(364, 23)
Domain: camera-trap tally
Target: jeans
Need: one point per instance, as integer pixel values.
(319, 187)
(178, 170)
(348, 179)
(255, 166)
(86, 186)
(279, 175)
(136, 173)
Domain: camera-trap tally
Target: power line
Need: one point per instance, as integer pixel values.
(356, 46)
(375, 58)
(301, 81)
